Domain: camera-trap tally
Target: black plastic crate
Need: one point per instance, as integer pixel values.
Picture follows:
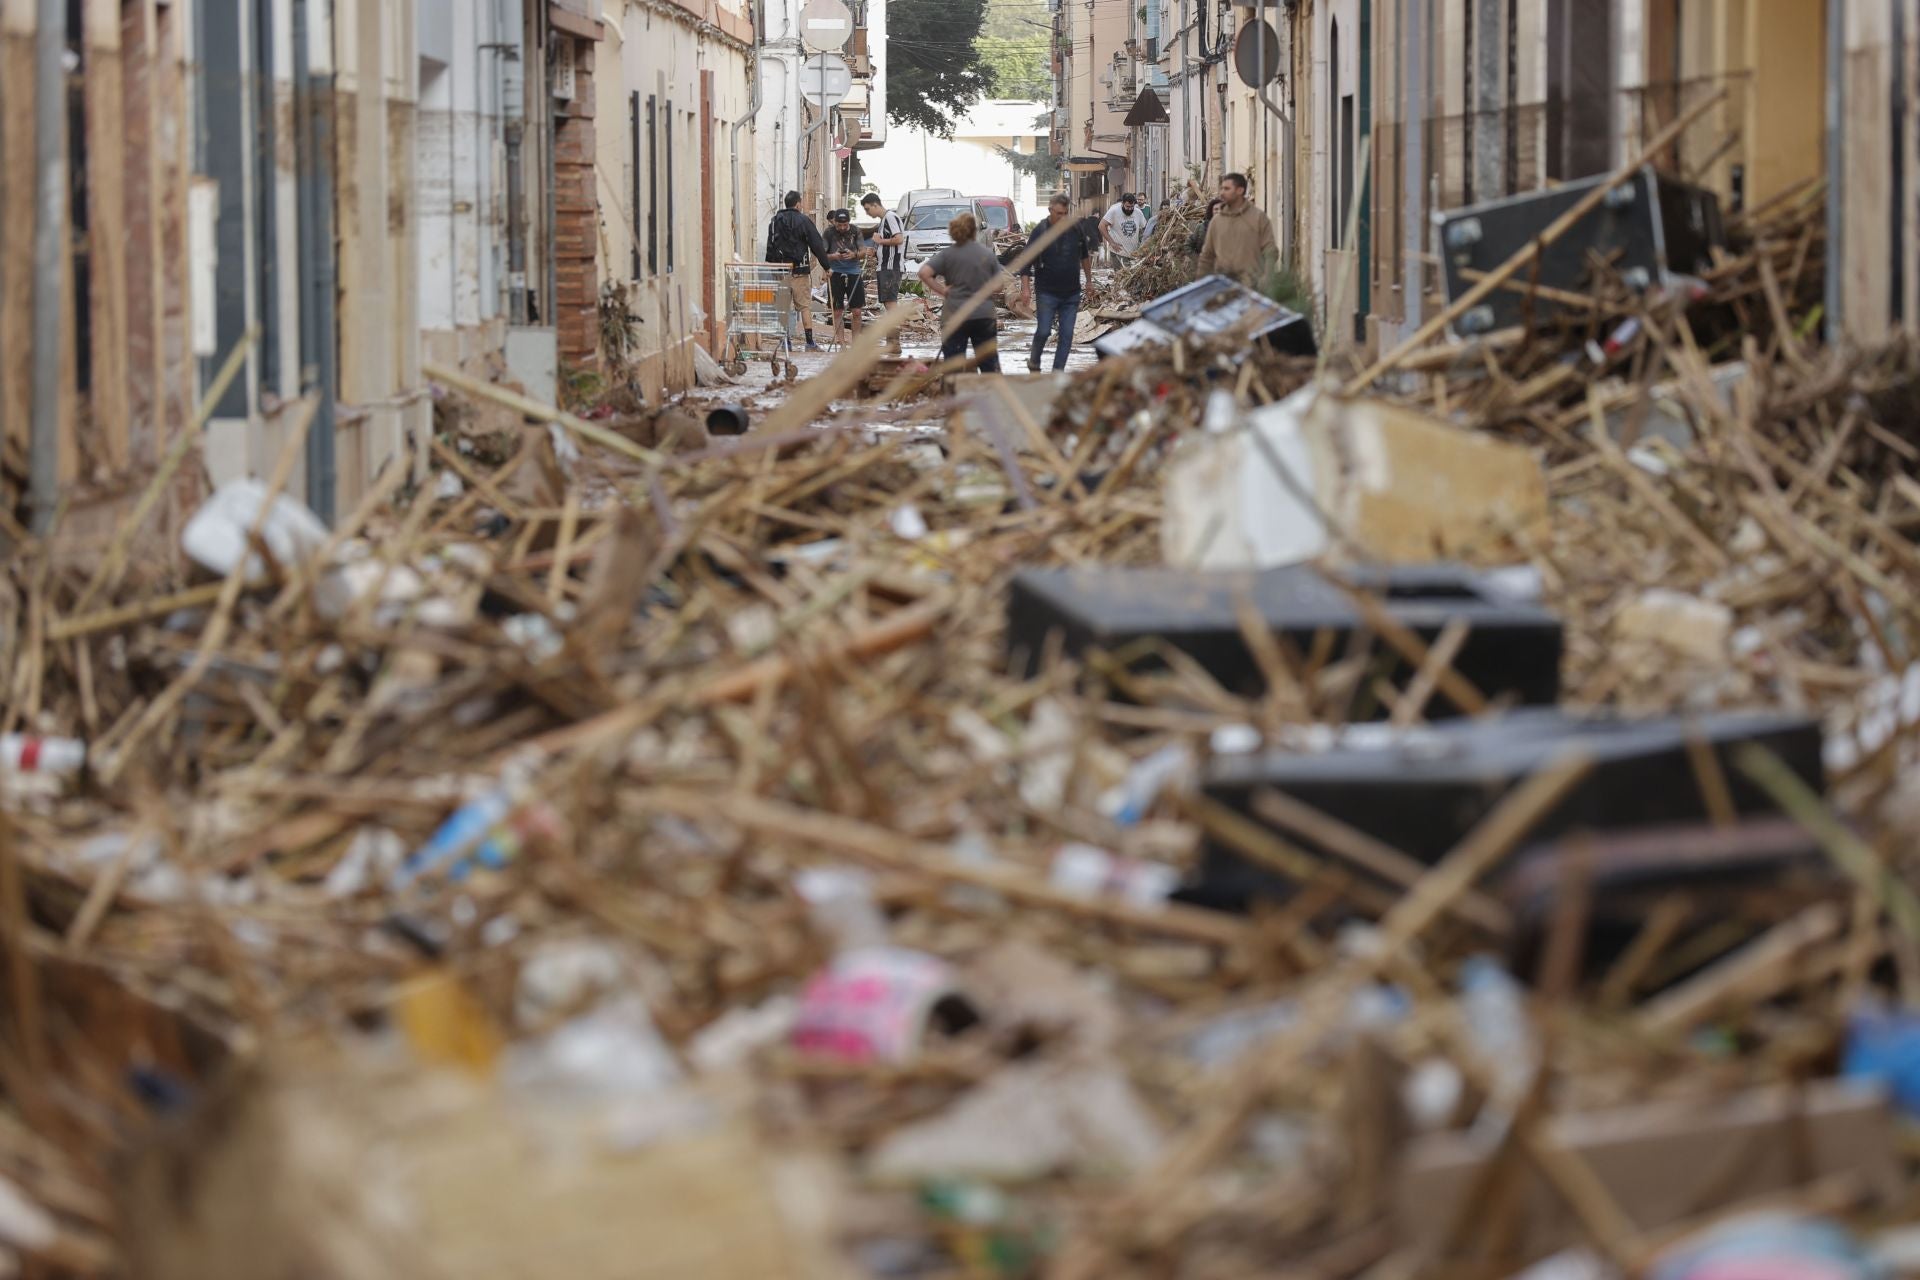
(1649, 229)
(1512, 651)
(1426, 792)
(1212, 305)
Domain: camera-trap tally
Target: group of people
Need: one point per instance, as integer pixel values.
(1237, 240)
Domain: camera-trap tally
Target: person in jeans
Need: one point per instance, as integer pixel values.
(791, 236)
(967, 275)
(1051, 283)
(846, 271)
(890, 246)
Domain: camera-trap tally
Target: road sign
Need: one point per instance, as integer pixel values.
(1256, 55)
(826, 26)
(825, 80)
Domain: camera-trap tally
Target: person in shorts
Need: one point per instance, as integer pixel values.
(791, 238)
(846, 271)
(890, 249)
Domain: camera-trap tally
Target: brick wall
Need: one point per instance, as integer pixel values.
(576, 216)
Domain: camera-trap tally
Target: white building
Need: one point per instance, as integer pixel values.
(802, 148)
(970, 160)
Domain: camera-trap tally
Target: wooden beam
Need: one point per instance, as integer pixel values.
(16, 214)
(106, 159)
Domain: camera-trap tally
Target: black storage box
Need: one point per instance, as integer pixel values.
(1423, 794)
(1513, 649)
(1649, 230)
(1213, 305)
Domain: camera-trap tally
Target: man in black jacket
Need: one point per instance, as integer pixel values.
(791, 236)
(1055, 276)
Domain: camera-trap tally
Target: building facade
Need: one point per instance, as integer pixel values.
(802, 146)
(1375, 114)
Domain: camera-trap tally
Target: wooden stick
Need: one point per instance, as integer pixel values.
(895, 632)
(108, 574)
(1557, 228)
(1856, 857)
(842, 837)
(531, 408)
(1376, 856)
(1749, 973)
(215, 634)
(139, 611)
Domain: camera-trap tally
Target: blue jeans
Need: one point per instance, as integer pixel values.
(1047, 309)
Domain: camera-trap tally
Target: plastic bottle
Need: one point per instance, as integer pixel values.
(1495, 1007)
(55, 757)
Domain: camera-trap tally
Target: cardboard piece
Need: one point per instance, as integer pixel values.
(1666, 1163)
(1320, 476)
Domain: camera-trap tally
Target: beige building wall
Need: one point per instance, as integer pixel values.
(668, 216)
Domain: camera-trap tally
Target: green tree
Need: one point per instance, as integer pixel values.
(935, 71)
(1016, 49)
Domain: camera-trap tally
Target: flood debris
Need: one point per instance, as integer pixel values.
(1219, 812)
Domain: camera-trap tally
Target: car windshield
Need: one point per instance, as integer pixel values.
(996, 216)
(932, 217)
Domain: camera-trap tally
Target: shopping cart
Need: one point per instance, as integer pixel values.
(757, 307)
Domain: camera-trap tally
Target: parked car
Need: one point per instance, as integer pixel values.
(998, 216)
(927, 225)
(923, 196)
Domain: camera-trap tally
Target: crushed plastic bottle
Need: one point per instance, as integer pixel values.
(1089, 872)
(1495, 1008)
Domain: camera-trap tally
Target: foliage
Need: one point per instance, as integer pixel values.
(1042, 166)
(935, 70)
(1016, 48)
(1285, 287)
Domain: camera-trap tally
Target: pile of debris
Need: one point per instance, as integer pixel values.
(1190, 817)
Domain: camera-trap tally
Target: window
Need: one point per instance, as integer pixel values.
(670, 223)
(935, 217)
(633, 132)
(653, 188)
(1335, 222)
(995, 216)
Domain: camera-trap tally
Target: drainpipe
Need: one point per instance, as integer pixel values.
(1836, 166)
(753, 110)
(313, 186)
(50, 150)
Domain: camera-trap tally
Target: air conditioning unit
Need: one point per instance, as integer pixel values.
(561, 74)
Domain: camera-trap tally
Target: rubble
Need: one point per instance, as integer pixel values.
(477, 924)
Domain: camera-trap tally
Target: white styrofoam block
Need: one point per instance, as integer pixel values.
(216, 536)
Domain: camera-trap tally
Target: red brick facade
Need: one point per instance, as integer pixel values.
(576, 216)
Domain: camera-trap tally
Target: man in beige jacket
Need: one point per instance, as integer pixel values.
(1240, 238)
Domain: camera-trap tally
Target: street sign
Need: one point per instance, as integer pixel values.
(825, 26)
(1256, 55)
(825, 80)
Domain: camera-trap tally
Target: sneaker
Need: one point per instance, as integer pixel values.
(814, 346)
(1033, 366)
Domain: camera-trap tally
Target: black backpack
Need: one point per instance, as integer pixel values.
(784, 242)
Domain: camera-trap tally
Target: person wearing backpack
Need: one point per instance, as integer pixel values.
(791, 236)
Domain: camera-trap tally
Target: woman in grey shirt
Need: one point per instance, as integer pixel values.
(967, 276)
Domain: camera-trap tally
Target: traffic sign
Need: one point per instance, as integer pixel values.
(826, 26)
(1256, 55)
(825, 80)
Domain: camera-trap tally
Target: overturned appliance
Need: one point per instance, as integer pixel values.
(1420, 792)
(1651, 230)
(1214, 305)
(1512, 650)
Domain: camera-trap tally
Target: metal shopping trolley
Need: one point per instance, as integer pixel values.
(757, 307)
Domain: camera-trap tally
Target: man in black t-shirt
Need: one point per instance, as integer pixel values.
(1052, 283)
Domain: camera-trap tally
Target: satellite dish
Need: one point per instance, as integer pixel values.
(1256, 49)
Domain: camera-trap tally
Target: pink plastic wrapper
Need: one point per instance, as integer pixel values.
(872, 1005)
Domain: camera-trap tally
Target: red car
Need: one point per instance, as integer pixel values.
(999, 215)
